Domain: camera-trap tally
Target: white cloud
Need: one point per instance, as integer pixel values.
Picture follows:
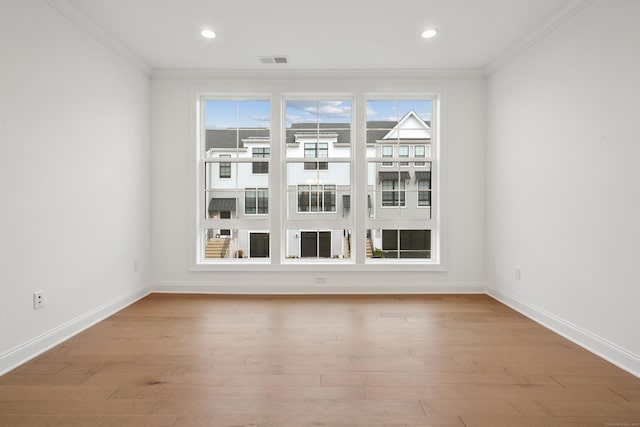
(323, 109)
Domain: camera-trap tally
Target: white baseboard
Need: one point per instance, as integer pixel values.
(23, 353)
(317, 289)
(618, 356)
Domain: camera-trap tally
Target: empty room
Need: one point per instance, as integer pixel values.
(268, 214)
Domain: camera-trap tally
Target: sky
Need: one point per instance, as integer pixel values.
(252, 114)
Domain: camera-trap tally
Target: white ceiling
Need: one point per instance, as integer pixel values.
(331, 34)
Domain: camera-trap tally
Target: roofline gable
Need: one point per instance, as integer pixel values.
(402, 121)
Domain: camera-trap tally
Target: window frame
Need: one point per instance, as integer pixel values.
(260, 153)
(358, 175)
(422, 156)
(420, 192)
(407, 150)
(227, 165)
(317, 154)
(398, 193)
(385, 155)
(258, 192)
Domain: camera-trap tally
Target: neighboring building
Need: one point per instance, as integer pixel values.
(395, 188)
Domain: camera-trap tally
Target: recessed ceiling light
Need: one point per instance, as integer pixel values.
(208, 34)
(429, 33)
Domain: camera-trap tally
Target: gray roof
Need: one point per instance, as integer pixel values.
(342, 129)
(232, 138)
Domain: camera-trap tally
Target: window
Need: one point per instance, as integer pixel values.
(406, 243)
(258, 245)
(234, 202)
(316, 198)
(260, 167)
(256, 201)
(403, 152)
(393, 193)
(225, 168)
(387, 151)
(322, 204)
(316, 150)
(419, 152)
(398, 225)
(315, 244)
(424, 193)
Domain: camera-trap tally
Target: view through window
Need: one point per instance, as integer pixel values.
(317, 154)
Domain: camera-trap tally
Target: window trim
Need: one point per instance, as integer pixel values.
(278, 202)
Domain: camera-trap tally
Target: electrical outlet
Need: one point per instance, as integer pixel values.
(518, 273)
(38, 300)
(136, 266)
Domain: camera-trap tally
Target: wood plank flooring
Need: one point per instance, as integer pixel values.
(303, 361)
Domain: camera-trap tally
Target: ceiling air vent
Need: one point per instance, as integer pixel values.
(274, 59)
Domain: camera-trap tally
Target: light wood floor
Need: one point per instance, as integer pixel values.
(197, 360)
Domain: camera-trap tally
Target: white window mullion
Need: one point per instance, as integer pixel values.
(276, 180)
(359, 183)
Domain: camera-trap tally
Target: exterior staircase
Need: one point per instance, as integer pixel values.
(217, 248)
(346, 247)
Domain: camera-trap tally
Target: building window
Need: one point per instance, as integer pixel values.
(260, 167)
(387, 151)
(393, 193)
(424, 193)
(225, 167)
(406, 243)
(316, 198)
(403, 152)
(316, 150)
(256, 201)
(258, 245)
(419, 152)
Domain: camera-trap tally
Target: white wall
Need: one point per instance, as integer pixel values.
(74, 178)
(562, 179)
(173, 200)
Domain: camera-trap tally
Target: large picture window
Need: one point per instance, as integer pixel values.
(327, 192)
(401, 188)
(234, 191)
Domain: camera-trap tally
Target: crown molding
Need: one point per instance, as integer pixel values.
(94, 30)
(550, 25)
(317, 74)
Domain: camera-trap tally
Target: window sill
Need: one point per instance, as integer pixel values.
(323, 267)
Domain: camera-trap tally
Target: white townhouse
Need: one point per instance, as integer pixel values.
(396, 189)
